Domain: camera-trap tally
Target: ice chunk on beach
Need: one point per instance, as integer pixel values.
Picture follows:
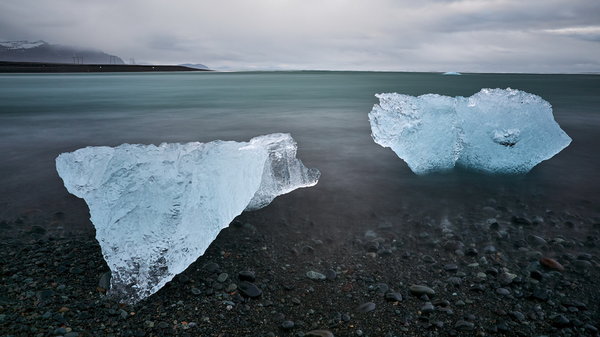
(496, 130)
(452, 73)
(156, 209)
(421, 130)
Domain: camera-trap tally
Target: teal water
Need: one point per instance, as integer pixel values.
(326, 112)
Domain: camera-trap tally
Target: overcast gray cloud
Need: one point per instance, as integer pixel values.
(426, 35)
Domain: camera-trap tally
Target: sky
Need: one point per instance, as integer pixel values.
(547, 36)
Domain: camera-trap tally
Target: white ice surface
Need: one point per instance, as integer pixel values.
(496, 130)
(157, 208)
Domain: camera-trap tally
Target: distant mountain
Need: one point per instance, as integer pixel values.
(195, 66)
(41, 51)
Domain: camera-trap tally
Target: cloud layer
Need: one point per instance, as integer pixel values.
(428, 35)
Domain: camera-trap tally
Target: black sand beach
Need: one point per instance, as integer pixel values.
(504, 268)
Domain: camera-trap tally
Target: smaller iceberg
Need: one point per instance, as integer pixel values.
(504, 131)
(452, 73)
(156, 209)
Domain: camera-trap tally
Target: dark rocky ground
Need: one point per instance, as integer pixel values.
(498, 270)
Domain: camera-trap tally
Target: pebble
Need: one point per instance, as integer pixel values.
(231, 287)
(44, 295)
(104, 281)
(455, 281)
(551, 264)
(382, 288)
(393, 297)
(582, 265)
(536, 241)
(427, 308)
(490, 249)
(464, 325)
(421, 290)
(313, 275)
(560, 321)
(451, 267)
(503, 291)
(330, 274)
(60, 331)
(536, 275)
(249, 289)
(319, 333)
(212, 267)
(222, 277)
(506, 278)
(517, 315)
(520, 221)
(471, 252)
(540, 294)
(246, 275)
(366, 307)
(287, 325)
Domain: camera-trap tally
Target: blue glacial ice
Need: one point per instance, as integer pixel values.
(503, 131)
(156, 209)
(452, 73)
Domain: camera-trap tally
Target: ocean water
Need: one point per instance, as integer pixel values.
(326, 113)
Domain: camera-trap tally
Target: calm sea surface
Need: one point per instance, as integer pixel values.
(326, 112)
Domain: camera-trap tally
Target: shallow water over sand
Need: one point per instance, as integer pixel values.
(326, 113)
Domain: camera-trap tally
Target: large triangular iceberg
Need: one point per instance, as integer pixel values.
(494, 131)
(157, 208)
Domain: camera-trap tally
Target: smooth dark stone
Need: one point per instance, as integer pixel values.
(471, 252)
(551, 264)
(393, 297)
(319, 333)
(313, 275)
(536, 241)
(421, 290)
(249, 289)
(104, 281)
(246, 275)
(222, 277)
(560, 321)
(517, 315)
(287, 325)
(464, 325)
(455, 281)
(536, 275)
(540, 294)
(503, 291)
(506, 278)
(382, 288)
(427, 308)
(330, 274)
(212, 267)
(517, 220)
(44, 295)
(366, 307)
(491, 249)
(451, 267)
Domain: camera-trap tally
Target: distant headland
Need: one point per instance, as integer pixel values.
(43, 57)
